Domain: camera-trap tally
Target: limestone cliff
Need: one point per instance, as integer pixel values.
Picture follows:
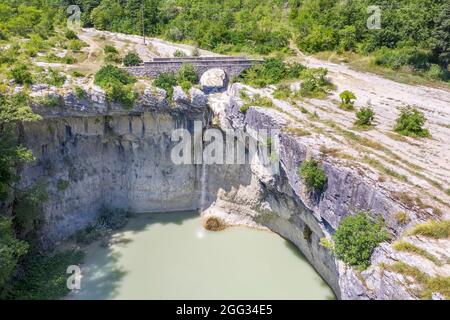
(91, 152)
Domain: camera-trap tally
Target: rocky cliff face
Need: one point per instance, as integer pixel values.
(92, 153)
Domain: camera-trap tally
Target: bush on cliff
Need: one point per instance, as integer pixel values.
(364, 117)
(356, 237)
(313, 175)
(187, 73)
(11, 249)
(272, 71)
(347, 100)
(21, 74)
(132, 59)
(410, 123)
(109, 73)
(166, 81)
(117, 85)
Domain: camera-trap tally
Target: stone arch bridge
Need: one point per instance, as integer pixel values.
(232, 66)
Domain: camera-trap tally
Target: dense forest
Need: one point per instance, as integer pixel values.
(412, 32)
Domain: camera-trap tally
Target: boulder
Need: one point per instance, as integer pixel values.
(198, 98)
(179, 95)
(39, 87)
(213, 80)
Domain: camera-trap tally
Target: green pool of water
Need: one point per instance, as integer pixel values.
(170, 256)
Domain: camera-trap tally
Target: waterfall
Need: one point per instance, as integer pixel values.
(204, 172)
(203, 188)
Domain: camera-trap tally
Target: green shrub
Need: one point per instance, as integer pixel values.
(11, 249)
(45, 277)
(259, 101)
(410, 123)
(69, 60)
(244, 108)
(356, 237)
(132, 59)
(272, 71)
(186, 85)
(62, 184)
(347, 38)
(282, 92)
(113, 58)
(347, 98)
(28, 210)
(76, 45)
(166, 81)
(179, 54)
(109, 73)
(364, 117)
(111, 54)
(396, 58)
(195, 52)
(436, 72)
(187, 73)
(319, 38)
(77, 74)
(21, 74)
(315, 83)
(313, 175)
(80, 93)
(294, 70)
(55, 78)
(110, 49)
(122, 94)
(117, 85)
(71, 35)
(48, 101)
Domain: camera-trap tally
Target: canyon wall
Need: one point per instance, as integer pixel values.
(92, 153)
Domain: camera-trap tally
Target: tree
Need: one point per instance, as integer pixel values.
(132, 59)
(364, 117)
(11, 249)
(313, 175)
(166, 81)
(21, 75)
(410, 123)
(13, 110)
(187, 73)
(347, 98)
(441, 37)
(356, 237)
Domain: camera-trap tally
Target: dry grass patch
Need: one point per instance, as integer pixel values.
(297, 131)
(214, 224)
(374, 163)
(411, 248)
(402, 217)
(432, 229)
(429, 284)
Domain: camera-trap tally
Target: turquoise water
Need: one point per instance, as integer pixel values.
(170, 256)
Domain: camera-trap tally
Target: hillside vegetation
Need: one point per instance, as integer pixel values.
(414, 34)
